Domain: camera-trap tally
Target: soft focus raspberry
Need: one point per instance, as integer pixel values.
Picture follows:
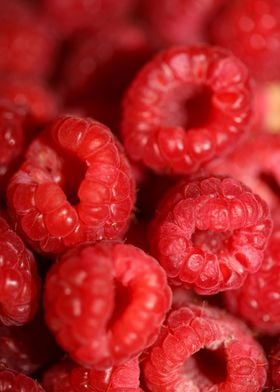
(66, 376)
(28, 348)
(256, 163)
(180, 21)
(16, 382)
(185, 107)
(257, 301)
(274, 368)
(75, 185)
(19, 282)
(105, 304)
(251, 29)
(204, 349)
(210, 234)
(74, 15)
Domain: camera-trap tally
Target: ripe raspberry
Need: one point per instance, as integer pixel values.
(251, 30)
(186, 106)
(203, 349)
(257, 301)
(274, 367)
(19, 282)
(66, 376)
(105, 304)
(210, 234)
(78, 159)
(259, 170)
(28, 348)
(17, 382)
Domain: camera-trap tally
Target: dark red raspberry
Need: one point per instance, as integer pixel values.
(185, 107)
(28, 348)
(256, 163)
(210, 234)
(274, 368)
(74, 15)
(257, 301)
(251, 29)
(204, 349)
(19, 282)
(179, 22)
(74, 186)
(16, 382)
(105, 304)
(66, 376)
(33, 94)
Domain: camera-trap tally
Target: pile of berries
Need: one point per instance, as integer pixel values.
(140, 195)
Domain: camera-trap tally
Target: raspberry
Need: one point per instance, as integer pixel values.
(28, 348)
(210, 234)
(251, 30)
(257, 301)
(185, 107)
(79, 159)
(203, 349)
(19, 282)
(259, 170)
(66, 376)
(274, 367)
(17, 382)
(105, 304)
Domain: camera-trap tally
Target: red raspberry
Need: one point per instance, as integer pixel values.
(79, 159)
(274, 368)
(210, 234)
(180, 21)
(251, 29)
(19, 282)
(66, 376)
(17, 382)
(259, 169)
(28, 348)
(204, 349)
(187, 106)
(105, 304)
(257, 301)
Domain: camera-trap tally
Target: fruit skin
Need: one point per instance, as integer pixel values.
(251, 30)
(106, 303)
(17, 382)
(274, 367)
(171, 364)
(19, 280)
(66, 376)
(158, 127)
(257, 301)
(209, 234)
(80, 159)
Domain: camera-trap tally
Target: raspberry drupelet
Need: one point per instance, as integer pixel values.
(203, 349)
(209, 234)
(74, 186)
(19, 280)
(66, 376)
(185, 107)
(106, 303)
(17, 382)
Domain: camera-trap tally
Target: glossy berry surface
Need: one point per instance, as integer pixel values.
(105, 304)
(17, 382)
(66, 376)
(185, 107)
(210, 234)
(19, 281)
(75, 185)
(204, 349)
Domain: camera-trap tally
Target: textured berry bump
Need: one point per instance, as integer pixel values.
(106, 303)
(75, 185)
(19, 281)
(185, 107)
(204, 349)
(66, 376)
(11, 381)
(210, 234)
